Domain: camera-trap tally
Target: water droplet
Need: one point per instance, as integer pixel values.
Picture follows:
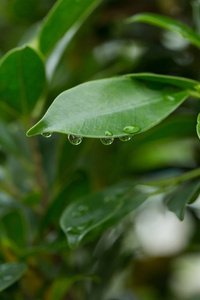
(82, 209)
(131, 129)
(47, 134)
(107, 141)
(169, 98)
(74, 139)
(125, 138)
(108, 133)
(84, 226)
(72, 230)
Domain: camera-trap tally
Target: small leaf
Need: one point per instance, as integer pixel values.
(198, 126)
(64, 15)
(169, 24)
(22, 81)
(9, 273)
(105, 207)
(185, 194)
(92, 109)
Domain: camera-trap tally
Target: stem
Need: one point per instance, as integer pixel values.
(177, 179)
(39, 172)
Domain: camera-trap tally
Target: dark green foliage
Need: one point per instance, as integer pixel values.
(72, 214)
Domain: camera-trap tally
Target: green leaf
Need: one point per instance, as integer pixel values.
(105, 207)
(9, 273)
(62, 285)
(169, 24)
(22, 81)
(15, 226)
(64, 15)
(138, 101)
(185, 194)
(198, 126)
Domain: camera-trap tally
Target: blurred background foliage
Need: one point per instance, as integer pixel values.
(150, 255)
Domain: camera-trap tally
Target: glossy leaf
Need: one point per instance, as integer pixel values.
(185, 194)
(198, 125)
(169, 24)
(64, 15)
(92, 109)
(22, 81)
(105, 207)
(9, 273)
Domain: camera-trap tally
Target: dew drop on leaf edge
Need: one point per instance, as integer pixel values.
(47, 134)
(125, 138)
(107, 141)
(74, 139)
(131, 129)
(108, 133)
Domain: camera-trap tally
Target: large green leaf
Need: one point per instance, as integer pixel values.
(185, 194)
(101, 208)
(110, 106)
(9, 273)
(169, 24)
(64, 15)
(22, 80)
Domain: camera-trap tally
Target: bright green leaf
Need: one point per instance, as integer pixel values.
(9, 273)
(64, 15)
(185, 194)
(198, 126)
(94, 108)
(105, 207)
(22, 81)
(169, 24)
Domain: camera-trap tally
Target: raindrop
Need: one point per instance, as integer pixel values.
(71, 230)
(169, 98)
(131, 129)
(125, 138)
(47, 134)
(84, 226)
(108, 133)
(107, 141)
(74, 139)
(82, 209)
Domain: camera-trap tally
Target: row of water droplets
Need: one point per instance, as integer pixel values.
(76, 140)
